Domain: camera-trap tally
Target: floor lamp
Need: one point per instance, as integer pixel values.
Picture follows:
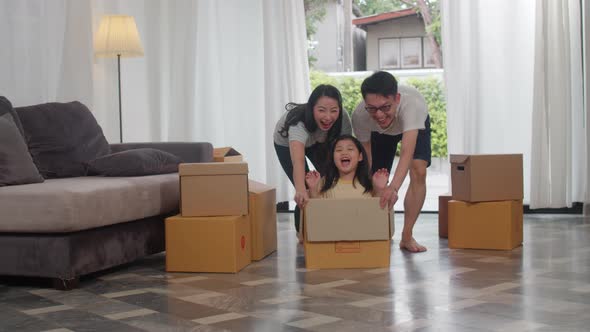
(117, 36)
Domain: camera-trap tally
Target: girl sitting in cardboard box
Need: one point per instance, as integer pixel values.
(347, 174)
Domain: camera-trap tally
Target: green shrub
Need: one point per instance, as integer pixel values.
(430, 87)
(432, 90)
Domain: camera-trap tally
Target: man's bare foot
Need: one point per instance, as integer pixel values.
(380, 179)
(411, 245)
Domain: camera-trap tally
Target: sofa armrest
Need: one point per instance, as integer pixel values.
(189, 152)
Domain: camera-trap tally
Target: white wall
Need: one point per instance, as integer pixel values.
(409, 26)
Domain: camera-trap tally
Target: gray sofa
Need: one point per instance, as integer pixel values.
(66, 227)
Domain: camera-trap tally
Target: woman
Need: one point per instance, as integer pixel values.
(306, 130)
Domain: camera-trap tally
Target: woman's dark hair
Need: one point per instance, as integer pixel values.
(361, 175)
(380, 83)
(304, 112)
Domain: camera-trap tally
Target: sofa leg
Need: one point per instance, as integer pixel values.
(65, 284)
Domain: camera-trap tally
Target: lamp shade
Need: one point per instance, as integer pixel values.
(117, 35)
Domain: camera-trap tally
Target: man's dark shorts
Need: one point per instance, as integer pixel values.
(384, 147)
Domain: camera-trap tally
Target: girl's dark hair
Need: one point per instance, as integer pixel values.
(304, 112)
(361, 175)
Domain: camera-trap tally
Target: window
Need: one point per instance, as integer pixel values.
(389, 53)
(414, 52)
(411, 52)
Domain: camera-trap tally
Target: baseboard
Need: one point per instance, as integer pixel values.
(577, 208)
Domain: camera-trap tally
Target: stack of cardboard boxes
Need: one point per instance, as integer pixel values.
(225, 220)
(346, 233)
(485, 210)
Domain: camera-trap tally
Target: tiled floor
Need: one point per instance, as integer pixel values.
(543, 286)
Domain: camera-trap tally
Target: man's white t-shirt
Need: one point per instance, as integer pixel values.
(411, 114)
(299, 133)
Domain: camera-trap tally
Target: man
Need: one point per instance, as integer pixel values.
(386, 117)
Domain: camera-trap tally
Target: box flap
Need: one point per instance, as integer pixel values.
(257, 187)
(225, 151)
(186, 169)
(357, 219)
(459, 158)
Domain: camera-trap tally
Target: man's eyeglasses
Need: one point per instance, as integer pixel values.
(373, 110)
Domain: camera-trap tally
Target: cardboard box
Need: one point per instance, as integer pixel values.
(443, 215)
(213, 189)
(485, 225)
(207, 244)
(346, 233)
(263, 219)
(484, 178)
(227, 154)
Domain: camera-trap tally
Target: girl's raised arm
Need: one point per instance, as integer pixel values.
(312, 179)
(380, 179)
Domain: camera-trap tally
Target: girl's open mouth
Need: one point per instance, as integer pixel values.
(345, 162)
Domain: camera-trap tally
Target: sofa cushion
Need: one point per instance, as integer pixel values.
(16, 164)
(136, 162)
(6, 107)
(73, 204)
(62, 137)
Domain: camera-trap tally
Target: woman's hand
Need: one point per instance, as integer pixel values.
(301, 198)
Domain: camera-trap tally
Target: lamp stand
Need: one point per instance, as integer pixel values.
(120, 112)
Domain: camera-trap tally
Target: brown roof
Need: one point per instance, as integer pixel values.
(383, 17)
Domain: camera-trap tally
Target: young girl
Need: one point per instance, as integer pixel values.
(303, 131)
(347, 174)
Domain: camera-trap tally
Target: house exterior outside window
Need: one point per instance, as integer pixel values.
(329, 47)
(396, 40)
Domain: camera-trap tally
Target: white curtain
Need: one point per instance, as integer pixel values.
(46, 53)
(286, 74)
(489, 52)
(558, 153)
(586, 52)
(217, 71)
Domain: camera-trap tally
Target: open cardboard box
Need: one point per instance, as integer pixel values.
(346, 233)
(227, 154)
